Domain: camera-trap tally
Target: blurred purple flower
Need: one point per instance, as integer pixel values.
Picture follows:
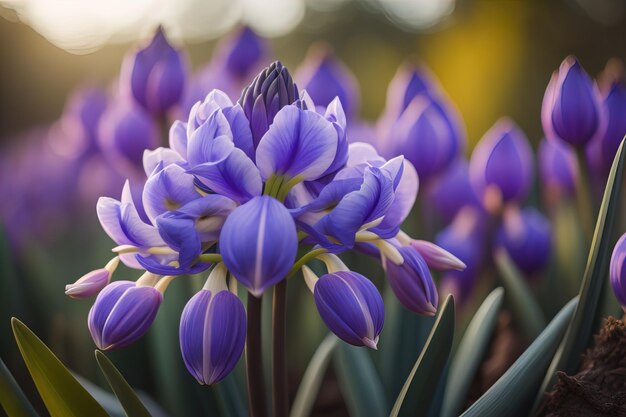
(615, 105)
(572, 109)
(617, 271)
(453, 190)
(558, 168)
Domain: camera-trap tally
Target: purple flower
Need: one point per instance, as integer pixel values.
(155, 74)
(261, 101)
(502, 164)
(453, 190)
(122, 313)
(258, 243)
(437, 257)
(409, 82)
(412, 282)
(242, 53)
(125, 131)
(526, 236)
(617, 271)
(615, 105)
(351, 307)
(325, 78)
(212, 332)
(557, 167)
(93, 282)
(571, 109)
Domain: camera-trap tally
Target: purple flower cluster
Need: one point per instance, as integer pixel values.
(241, 189)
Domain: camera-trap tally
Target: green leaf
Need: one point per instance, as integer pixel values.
(229, 398)
(359, 382)
(581, 328)
(130, 402)
(471, 352)
(312, 379)
(61, 393)
(525, 308)
(513, 393)
(421, 384)
(12, 399)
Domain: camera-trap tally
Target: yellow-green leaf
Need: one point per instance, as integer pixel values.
(12, 399)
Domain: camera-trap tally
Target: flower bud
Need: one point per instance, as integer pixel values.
(263, 230)
(270, 91)
(93, 282)
(617, 271)
(155, 74)
(437, 257)
(525, 235)
(571, 110)
(615, 105)
(409, 82)
(122, 313)
(452, 190)
(428, 134)
(557, 167)
(351, 307)
(411, 282)
(243, 52)
(212, 330)
(325, 77)
(501, 167)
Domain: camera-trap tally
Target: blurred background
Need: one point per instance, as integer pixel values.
(493, 58)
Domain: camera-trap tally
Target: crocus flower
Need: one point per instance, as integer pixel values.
(122, 313)
(557, 167)
(526, 236)
(615, 105)
(501, 167)
(93, 282)
(409, 82)
(572, 109)
(212, 330)
(617, 271)
(453, 190)
(155, 75)
(270, 91)
(262, 229)
(351, 307)
(325, 77)
(412, 282)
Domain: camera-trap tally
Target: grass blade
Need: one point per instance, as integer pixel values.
(12, 399)
(359, 381)
(130, 402)
(525, 308)
(59, 390)
(312, 379)
(470, 353)
(421, 384)
(581, 328)
(513, 393)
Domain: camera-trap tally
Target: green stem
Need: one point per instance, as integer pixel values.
(280, 394)
(304, 259)
(583, 196)
(210, 258)
(254, 359)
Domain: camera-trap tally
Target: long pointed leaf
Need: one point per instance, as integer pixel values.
(312, 379)
(513, 393)
(525, 308)
(130, 402)
(421, 384)
(581, 328)
(470, 353)
(12, 399)
(359, 381)
(61, 393)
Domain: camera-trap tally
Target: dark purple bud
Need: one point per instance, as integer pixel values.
(615, 105)
(557, 167)
(351, 307)
(155, 74)
(243, 52)
(501, 167)
(429, 135)
(125, 131)
(409, 82)
(617, 271)
(571, 109)
(412, 282)
(93, 282)
(263, 230)
(122, 313)
(270, 91)
(452, 190)
(212, 332)
(325, 77)
(465, 238)
(526, 236)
